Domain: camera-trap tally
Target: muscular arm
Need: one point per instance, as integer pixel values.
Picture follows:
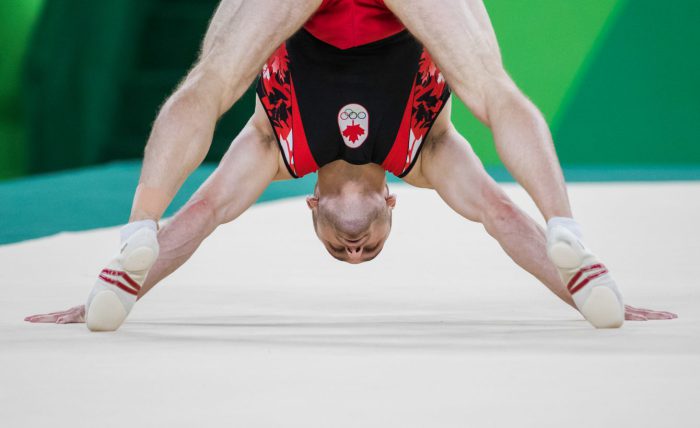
(249, 166)
(241, 35)
(459, 36)
(449, 166)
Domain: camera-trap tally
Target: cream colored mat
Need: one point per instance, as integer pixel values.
(263, 329)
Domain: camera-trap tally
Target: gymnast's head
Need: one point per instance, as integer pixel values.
(352, 220)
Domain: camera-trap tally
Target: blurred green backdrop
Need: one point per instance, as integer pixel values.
(82, 80)
(616, 79)
(16, 22)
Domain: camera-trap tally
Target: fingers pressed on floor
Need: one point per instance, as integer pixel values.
(659, 316)
(41, 318)
(634, 317)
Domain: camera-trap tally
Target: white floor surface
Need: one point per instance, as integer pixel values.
(262, 328)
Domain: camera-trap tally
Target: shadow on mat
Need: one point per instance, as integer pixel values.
(415, 333)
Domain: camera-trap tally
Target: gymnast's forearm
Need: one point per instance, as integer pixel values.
(451, 167)
(247, 168)
(525, 243)
(179, 239)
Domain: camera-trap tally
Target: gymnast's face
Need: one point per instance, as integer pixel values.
(353, 227)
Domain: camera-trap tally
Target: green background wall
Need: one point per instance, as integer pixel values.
(17, 18)
(616, 79)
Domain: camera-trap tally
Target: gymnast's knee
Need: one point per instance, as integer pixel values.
(495, 94)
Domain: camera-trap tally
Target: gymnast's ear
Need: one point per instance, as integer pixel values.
(391, 200)
(312, 202)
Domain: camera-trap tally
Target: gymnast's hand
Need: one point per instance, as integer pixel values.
(639, 314)
(76, 314)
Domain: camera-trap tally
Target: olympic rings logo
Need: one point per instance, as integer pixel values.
(352, 115)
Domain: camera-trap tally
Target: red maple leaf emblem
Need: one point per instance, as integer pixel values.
(353, 132)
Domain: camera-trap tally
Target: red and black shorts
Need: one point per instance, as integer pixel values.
(373, 103)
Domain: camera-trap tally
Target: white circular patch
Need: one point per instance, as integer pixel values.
(353, 122)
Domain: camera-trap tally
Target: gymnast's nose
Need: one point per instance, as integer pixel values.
(354, 253)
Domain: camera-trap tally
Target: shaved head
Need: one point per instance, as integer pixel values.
(350, 216)
(353, 226)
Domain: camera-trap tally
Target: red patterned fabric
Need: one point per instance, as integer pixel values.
(276, 93)
(349, 23)
(428, 96)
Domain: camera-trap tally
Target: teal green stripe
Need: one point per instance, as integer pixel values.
(616, 173)
(101, 196)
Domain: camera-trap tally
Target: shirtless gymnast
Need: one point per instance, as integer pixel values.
(349, 90)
